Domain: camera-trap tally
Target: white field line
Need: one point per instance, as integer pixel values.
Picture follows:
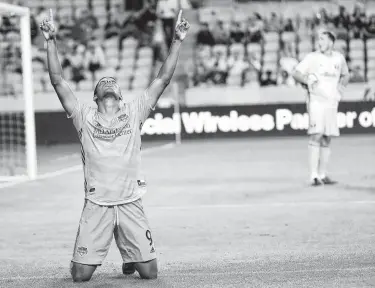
(265, 204)
(77, 168)
(210, 273)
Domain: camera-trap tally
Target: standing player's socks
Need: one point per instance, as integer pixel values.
(314, 155)
(325, 152)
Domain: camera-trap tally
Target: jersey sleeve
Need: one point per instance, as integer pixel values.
(78, 115)
(305, 65)
(344, 66)
(143, 106)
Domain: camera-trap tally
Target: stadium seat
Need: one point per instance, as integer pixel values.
(305, 46)
(145, 52)
(288, 37)
(356, 54)
(370, 44)
(356, 44)
(371, 53)
(371, 74)
(358, 62)
(237, 47)
(86, 85)
(341, 44)
(271, 46)
(234, 80)
(371, 64)
(272, 66)
(128, 62)
(129, 43)
(271, 37)
(140, 83)
(145, 61)
(270, 57)
(254, 48)
(220, 49)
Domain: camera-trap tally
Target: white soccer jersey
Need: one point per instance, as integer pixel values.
(328, 69)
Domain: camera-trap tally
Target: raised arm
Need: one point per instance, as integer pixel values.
(155, 90)
(62, 88)
(344, 75)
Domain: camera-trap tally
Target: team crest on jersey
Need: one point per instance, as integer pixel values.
(123, 117)
(82, 251)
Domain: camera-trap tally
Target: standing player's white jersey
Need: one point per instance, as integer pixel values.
(328, 70)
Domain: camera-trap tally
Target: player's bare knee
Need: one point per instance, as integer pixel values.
(325, 141)
(81, 273)
(315, 139)
(148, 270)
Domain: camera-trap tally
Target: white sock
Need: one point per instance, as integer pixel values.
(325, 152)
(314, 154)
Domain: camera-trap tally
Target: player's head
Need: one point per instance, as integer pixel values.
(107, 87)
(326, 41)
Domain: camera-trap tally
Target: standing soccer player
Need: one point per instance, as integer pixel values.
(325, 73)
(110, 136)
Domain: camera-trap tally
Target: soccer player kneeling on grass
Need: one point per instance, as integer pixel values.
(325, 73)
(110, 136)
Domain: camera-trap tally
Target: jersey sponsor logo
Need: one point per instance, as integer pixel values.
(152, 250)
(141, 183)
(82, 251)
(112, 133)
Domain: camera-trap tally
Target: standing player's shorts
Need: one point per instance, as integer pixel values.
(323, 119)
(126, 222)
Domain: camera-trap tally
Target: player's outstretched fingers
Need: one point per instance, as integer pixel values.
(179, 16)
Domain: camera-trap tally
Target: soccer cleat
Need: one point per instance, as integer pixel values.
(328, 181)
(128, 268)
(316, 182)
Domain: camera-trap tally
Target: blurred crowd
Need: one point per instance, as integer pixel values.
(81, 39)
(232, 52)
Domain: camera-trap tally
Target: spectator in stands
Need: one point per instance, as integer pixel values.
(9, 25)
(77, 64)
(255, 28)
(66, 26)
(289, 26)
(267, 79)
(369, 29)
(358, 21)
(158, 43)
(237, 65)
(167, 11)
(137, 24)
(112, 27)
(220, 33)
(204, 36)
(288, 62)
(273, 24)
(237, 35)
(356, 75)
(218, 68)
(34, 28)
(94, 60)
(41, 14)
(85, 25)
(342, 22)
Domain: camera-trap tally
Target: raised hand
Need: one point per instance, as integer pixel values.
(182, 27)
(48, 27)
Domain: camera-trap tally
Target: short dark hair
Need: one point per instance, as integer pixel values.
(330, 35)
